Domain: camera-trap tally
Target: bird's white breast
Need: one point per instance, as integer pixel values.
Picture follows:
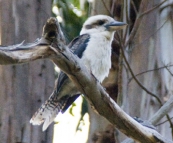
(97, 56)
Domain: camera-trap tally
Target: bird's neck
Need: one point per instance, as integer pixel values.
(105, 34)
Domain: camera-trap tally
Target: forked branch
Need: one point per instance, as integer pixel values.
(90, 87)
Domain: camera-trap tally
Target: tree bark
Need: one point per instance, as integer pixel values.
(24, 87)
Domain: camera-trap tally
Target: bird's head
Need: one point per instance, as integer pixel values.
(101, 24)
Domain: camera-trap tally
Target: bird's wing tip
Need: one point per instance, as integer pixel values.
(45, 126)
(36, 122)
(31, 121)
(47, 122)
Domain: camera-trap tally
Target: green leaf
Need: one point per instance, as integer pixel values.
(71, 109)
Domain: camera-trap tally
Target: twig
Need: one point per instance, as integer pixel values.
(157, 116)
(134, 30)
(144, 88)
(134, 7)
(107, 8)
(169, 71)
(143, 41)
(112, 7)
(127, 21)
(163, 67)
(127, 11)
(163, 122)
(162, 8)
(170, 122)
(119, 97)
(150, 10)
(138, 21)
(162, 112)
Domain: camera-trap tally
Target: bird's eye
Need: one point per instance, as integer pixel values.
(101, 22)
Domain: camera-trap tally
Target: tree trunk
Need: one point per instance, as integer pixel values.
(23, 87)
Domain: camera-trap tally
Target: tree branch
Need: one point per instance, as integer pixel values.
(158, 115)
(24, 53)
(138, 21)
(40, 49)
(139, 83)
(92, 89)
(162, 111)
(99, 99)
(151, 70)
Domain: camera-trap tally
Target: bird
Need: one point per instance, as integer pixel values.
(93, 47)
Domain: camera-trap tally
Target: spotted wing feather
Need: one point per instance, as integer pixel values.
(60, 102)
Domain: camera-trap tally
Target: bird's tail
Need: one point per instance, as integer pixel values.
(48, 111)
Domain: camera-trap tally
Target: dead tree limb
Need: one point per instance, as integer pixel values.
(162, 111)
(88, 85)
(157, 116)
(98, 97)
(24, 53)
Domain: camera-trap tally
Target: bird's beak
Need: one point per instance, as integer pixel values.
(116, 25)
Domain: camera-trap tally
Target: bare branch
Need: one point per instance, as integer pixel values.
(134, 7)
(153, 8)
(143, 41)
(138, 82)
(144, 88)
(23, 53)
(134, 30)
(92, 89)
(108, 10)
(119, 97)
(163, 122)
(138, 21)
(162, 111)
(40, 49)
(101, 101)
(112, 7)
(151, 70)
(169, 71)
(158, 115)
(165, 6)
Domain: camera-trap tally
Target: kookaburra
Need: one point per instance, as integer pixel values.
(93, 47)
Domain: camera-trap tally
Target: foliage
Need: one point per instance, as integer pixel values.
(72, 20)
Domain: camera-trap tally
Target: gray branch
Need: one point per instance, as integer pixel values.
(87, 84)
(162, 111)
(23, 53)
(99, 99)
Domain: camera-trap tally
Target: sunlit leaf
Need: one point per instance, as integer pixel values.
(71, 108)
(84, 110)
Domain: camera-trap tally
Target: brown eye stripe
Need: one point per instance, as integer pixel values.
(89, 26)
(99, 22)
